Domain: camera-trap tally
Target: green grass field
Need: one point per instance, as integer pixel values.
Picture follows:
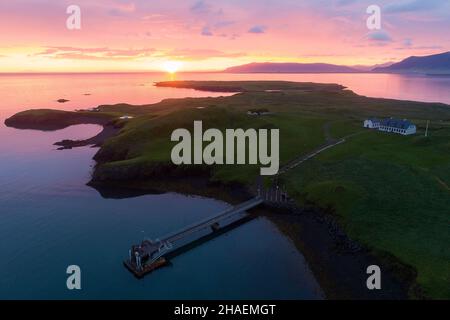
(388, 191)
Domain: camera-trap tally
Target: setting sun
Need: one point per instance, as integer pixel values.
(172, 66)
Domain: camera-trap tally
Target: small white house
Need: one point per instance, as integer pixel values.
(258, 112)
(372, 123)
(403, 127)
(126, 117)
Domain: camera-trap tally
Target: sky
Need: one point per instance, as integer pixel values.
(206, 35)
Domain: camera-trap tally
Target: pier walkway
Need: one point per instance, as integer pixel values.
(149, 255)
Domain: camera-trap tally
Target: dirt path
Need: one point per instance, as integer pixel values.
(326, 132)
(294, 163)
(330, 142)
(442, 183)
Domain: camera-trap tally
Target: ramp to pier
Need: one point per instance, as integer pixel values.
(209, 222)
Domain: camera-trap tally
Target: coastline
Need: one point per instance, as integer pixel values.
(108, 131)
(334, 258)
(338, 263)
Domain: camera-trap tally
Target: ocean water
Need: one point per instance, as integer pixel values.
(50, 219)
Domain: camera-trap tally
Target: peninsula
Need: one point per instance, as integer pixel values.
(388, 194)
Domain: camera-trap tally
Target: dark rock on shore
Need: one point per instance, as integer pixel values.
(338, 262)
(107, 132)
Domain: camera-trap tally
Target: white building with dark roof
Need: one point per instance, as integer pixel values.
(372, 123)
(404, 127)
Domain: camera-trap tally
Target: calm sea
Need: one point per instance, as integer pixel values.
(50, 219)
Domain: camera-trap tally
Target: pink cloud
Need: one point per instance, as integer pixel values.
(282, 30)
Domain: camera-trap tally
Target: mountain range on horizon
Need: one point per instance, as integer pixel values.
(290, 67)
(431, 64)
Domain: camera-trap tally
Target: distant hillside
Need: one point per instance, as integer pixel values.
(270, 67)
(434, 64)
(368, 68)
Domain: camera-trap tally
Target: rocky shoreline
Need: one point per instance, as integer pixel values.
(109, 130)
(338, 263)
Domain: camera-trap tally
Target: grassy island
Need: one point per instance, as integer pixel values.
(389, 192)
